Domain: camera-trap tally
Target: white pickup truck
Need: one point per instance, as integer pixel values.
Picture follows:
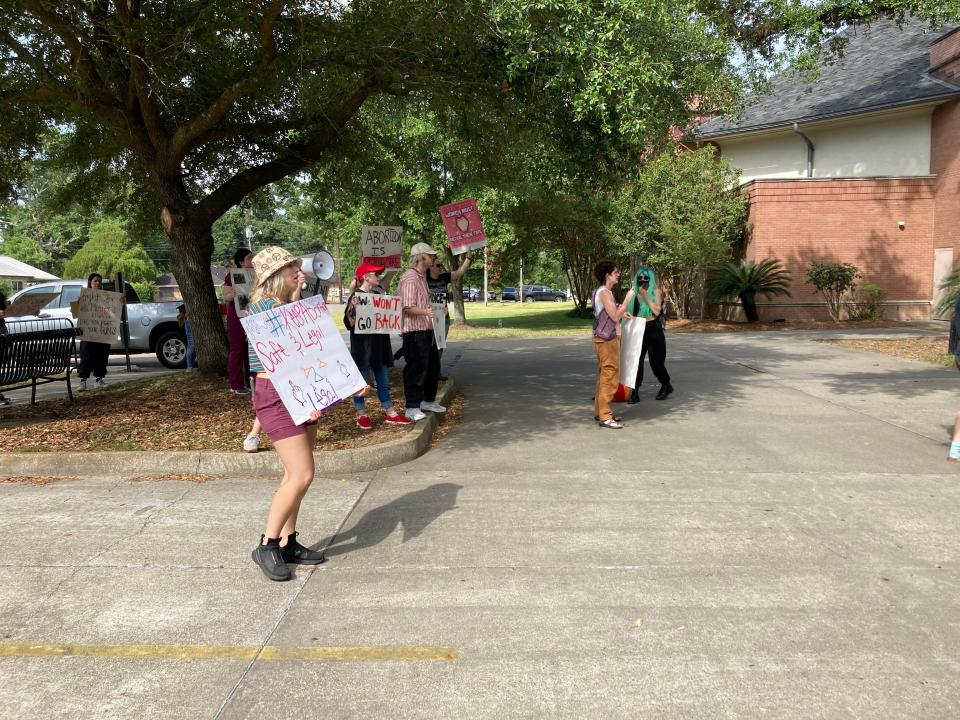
(153, 326)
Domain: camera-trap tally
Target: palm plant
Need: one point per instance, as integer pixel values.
(951, 283)
(746, 279)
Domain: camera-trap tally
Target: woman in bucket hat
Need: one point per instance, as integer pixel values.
(278, 282)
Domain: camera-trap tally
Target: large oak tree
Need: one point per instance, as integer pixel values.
(203, 102)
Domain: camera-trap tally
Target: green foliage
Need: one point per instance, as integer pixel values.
(25, 249)
(833, 281)
(951, 284)
(6, 287)
(745, 280)
(682, 215)
(867, 303)
(108, 251)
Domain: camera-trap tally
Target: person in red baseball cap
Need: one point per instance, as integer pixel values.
(371, 352)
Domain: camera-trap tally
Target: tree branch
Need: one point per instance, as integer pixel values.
(185, 136)
(298, 157)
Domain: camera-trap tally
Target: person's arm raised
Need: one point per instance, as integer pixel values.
(462, 270)
(613, 310)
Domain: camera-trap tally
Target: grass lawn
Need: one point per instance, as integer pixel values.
(513, 319)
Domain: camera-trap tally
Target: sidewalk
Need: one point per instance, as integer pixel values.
(779, 539)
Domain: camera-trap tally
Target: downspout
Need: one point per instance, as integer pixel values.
(796, 129)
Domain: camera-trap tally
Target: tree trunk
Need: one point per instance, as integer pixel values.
(749, 302)
(192, 246)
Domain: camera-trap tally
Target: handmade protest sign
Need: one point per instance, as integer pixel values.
(98, 315)
(304, 356)
(464, 227)
(382, 245)
(242, 279)
(30, 303)
(377, 314)
(440, 324)
(631, 344)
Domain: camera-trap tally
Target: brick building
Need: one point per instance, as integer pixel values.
(861, 166)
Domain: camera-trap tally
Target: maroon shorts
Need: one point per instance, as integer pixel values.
(271, 413)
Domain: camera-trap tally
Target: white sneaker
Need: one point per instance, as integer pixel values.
(83, 386)
(432, 406)
(251, 443)
(99, 383)
(415, 414)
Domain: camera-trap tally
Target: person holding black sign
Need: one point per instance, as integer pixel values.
(93, 355)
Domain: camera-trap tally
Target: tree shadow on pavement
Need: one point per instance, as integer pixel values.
(413, 512)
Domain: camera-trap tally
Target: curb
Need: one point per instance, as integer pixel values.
(219, 462)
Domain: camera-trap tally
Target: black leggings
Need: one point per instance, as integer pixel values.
(655, 342)
(422, 371)
(93, 359)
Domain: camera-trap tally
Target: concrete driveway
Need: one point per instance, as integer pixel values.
(779, 539)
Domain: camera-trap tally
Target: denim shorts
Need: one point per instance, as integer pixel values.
(272, 414)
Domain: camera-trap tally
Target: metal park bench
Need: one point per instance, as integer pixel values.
(38, 351)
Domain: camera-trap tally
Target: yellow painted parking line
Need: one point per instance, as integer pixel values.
(228, 652)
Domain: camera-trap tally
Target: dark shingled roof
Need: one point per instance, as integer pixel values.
(882, 66)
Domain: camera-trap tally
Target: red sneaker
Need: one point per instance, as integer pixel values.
(363, 422)
(398, 420)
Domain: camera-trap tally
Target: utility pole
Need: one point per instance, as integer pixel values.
(485, 265)
(248, 230)
(520, 289)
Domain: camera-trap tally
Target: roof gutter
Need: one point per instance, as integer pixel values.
(810, 149)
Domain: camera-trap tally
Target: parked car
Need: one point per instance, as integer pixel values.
(472, 294)
(153, 326)
(509, 294)
(532, 293)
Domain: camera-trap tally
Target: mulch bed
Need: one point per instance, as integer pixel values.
(183, 411)
(927, 349)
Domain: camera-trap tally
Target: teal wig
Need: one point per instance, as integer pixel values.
(641, 308)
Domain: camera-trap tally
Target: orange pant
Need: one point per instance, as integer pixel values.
(608, 379)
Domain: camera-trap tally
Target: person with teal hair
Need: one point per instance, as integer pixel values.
(648, 304)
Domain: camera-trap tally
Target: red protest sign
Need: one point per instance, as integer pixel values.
(464, 227)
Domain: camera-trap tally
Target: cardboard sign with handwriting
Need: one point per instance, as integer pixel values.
(98, 315)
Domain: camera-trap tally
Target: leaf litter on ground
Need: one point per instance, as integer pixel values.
(181, 411)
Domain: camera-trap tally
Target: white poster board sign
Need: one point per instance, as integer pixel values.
(631, 344)
(242, 279)
(440, 324)
(377, 314)
(304, 356)
(98, 315)
(382, 245)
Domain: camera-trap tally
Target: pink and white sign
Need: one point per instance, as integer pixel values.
(464, 227)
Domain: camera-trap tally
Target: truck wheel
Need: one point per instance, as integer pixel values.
(528, 298)
(172, 350)
(558, 299)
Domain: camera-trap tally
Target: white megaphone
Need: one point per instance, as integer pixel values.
(320, 268)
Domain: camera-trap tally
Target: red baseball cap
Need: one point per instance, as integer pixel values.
(364, 268)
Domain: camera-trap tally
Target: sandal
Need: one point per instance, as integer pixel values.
(615, 417)
(611, 424)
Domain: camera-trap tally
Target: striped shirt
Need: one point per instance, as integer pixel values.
(252, 309)
(414, 293)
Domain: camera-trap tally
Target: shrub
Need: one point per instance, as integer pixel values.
(833, 280)
(867, 303)
(747, 280)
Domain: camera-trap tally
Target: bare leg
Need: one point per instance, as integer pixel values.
(290, 526)
(296, 454)
(257, 428)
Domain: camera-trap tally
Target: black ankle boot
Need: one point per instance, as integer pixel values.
(665, 390)
(270, 561)
(634, 397)
(297, 554)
